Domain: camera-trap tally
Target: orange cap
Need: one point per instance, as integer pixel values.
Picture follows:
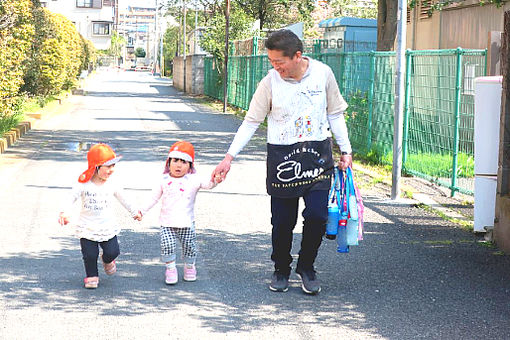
(182, 150)
(99, 154)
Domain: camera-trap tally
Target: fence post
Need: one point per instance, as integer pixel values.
(406, 107)
(371, 100)
(458, 88)
(255, 46)
(341, 81)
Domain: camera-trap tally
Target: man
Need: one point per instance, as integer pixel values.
(303, 105)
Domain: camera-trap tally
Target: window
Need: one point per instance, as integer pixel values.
(84, 3)
(89, 3)
(101, 28)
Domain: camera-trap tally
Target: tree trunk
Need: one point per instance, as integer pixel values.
(386, 24)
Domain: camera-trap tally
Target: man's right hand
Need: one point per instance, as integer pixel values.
(220, 173)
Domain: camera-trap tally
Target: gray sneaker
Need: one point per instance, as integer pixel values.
(279, 282)
(310, 283)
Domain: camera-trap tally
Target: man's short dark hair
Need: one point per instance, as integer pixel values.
(285, 41)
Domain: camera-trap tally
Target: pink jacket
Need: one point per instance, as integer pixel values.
(177, 199)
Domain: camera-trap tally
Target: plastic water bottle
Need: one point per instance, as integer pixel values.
(341, 237)
(332, 226)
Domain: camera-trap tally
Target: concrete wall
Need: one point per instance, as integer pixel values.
(178, 73)
(194, 74)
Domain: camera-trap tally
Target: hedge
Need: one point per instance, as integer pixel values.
(16, 34)
(41, 53)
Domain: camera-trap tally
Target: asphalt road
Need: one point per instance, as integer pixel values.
(415, 276)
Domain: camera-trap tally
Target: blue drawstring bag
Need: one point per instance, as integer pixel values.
(333, 211)
(352, 204)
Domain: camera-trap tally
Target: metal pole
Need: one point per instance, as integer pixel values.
(225, 76)
(196, 30)
(161, 57)
(154, 66)
(399, 99)
(406, 107)
(458, 88)
(371, 100)
(184, 42)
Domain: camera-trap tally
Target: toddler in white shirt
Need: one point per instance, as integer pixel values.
(97, 226)
(177, 190)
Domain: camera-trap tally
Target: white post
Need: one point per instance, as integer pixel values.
(399, 99)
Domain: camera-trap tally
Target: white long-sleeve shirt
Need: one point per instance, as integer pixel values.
(261, 106)
(177, 199)
(97, 220)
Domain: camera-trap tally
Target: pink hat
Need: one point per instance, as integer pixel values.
(182, 150)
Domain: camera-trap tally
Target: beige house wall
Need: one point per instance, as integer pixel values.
(466, 25)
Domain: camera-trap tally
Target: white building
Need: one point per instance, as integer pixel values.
(94, 19)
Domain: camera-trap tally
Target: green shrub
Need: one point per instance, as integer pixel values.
(16, 33)
(56, 54)
(88, 54)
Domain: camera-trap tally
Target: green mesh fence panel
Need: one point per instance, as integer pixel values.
(440, 116)
(439, 109)
(213, 81)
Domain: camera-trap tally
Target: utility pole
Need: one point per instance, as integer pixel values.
(184, 41)
(225, 78)
(196, 29)
(154, 66)
(399, 99)
(161, 57)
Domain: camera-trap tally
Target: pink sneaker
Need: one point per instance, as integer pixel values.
(110, 268)
(91, 282)
(190, 272)
(171, 276)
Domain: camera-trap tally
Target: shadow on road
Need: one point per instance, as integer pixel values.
(421, 276)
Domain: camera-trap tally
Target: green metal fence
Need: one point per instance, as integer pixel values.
(438, 115)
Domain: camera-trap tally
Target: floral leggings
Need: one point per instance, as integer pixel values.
(187, 237)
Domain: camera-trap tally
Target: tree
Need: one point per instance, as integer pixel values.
(386, 24)
(277, 13)
(140, 52)
(352, 8)
(117, 42)
(213, 40)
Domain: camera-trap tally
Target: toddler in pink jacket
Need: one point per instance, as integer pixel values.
(177, 191)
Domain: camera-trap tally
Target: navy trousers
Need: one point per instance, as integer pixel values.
(284, 213)
(90, 252)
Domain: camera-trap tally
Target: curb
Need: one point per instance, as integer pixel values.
(31, 121)
(422, 198)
